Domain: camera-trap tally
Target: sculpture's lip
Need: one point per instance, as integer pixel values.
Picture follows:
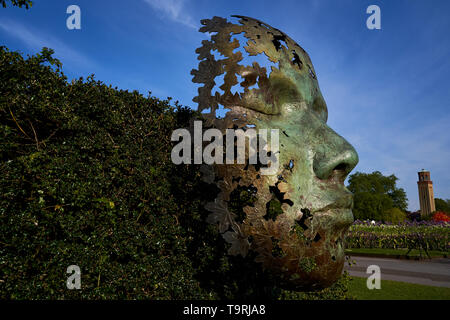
(344, 202)
(343, 217)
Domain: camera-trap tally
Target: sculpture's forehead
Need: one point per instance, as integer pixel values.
(291, 62)
(262, 37)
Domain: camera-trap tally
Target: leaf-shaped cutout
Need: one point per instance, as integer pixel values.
(239, 245)
(207, 173)
(220, 214)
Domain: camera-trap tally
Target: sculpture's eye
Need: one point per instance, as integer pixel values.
(320, 108)
(284, 90)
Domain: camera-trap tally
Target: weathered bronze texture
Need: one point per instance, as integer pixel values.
(302, 243)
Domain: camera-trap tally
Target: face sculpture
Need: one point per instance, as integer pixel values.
(298, 217)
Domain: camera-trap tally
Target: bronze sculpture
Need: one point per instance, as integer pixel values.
(301, 241)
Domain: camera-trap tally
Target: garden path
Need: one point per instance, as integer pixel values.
(434, 272)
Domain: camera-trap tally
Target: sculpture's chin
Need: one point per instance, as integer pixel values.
(315, 264)
(327, 271)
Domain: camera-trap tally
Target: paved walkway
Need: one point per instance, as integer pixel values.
(434, 272)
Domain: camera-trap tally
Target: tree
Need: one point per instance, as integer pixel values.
(19, 3)
(375, 194)
(442, 205)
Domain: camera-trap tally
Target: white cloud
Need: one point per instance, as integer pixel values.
(36, 41)
(174, 10)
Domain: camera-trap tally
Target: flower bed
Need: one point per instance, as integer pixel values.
(428, 235)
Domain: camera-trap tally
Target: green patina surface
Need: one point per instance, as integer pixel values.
(300, 212)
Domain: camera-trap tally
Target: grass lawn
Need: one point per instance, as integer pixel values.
(395, 252)
(393, 290)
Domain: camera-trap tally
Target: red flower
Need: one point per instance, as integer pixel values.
(441, 216)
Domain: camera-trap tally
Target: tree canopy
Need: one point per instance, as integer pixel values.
(442, 205)
(375, 195)
(18, 3)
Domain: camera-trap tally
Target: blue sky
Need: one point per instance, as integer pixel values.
(388, 90)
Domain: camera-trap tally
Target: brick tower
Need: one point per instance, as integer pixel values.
(426, 196)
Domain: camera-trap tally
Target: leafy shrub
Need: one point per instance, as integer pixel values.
(85, 180)
(413, 216)
(338, 291)
(394, 215)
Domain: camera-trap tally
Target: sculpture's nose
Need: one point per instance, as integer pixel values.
(335, 159)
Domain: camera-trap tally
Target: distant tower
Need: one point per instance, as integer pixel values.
(426, 196)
